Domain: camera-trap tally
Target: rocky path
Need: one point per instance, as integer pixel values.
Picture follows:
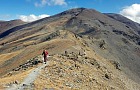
(27, 83)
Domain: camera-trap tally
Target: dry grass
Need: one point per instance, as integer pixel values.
(54, 46)
(42, 82)
(58, 75)
(57, 23)
(61, 74)
(33, 35)
(10, 79)
(4, 57)
(64, 74)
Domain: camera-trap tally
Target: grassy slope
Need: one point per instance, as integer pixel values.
(89, 71)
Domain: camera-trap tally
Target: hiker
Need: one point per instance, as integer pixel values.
(45, 53)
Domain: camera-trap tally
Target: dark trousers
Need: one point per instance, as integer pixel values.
(45, 58)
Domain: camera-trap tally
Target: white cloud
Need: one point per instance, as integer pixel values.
(59, 2)
(41, 4)
(50, 2)
(132, 12)
(32, 17)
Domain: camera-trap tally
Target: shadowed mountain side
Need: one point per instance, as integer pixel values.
(6, 25)
(37, 23)
(128, 22)
(82, 21)
(11, 30)
(46, 25)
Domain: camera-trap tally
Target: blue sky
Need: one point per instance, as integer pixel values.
(35, 9)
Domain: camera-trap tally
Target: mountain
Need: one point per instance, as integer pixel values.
(120, 18)
(5, 25)
(103, 44)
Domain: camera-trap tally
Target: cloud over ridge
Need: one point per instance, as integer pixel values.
(32, 17)
(132, 12)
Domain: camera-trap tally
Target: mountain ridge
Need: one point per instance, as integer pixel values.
(5, 25)
(125, 20)
(87, 29)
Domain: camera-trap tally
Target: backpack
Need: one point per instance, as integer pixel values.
(46, 53)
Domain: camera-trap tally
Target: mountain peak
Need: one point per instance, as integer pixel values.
(76, 11)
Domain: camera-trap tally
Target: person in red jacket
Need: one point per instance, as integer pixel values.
(45, 54)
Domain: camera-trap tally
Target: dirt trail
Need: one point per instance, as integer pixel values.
(28, 81)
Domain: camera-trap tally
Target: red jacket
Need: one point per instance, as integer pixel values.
(45, 53)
